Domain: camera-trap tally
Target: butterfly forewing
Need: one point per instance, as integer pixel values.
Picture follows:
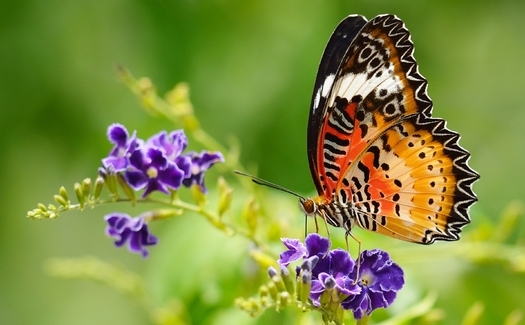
(377, 149)
(330, 63)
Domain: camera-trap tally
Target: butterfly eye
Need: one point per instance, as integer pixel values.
(308, 206)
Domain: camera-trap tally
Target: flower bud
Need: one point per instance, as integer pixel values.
(288, 281)
(86, 187)
(284, 300)
(272, 289)
(305, 284)
(42, 207)
(130, 193)
(310, 263)
(279, 283)
(225, 196)
(198, 196)
(250, 215)
(111, 181)
(80, 196)
(263, 259)
(63, 193)
(60, 200)
(272, 271)
(99, 185)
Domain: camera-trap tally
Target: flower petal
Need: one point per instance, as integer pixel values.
(296, 250)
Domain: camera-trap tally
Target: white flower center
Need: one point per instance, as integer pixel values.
(195, 169)
(152, 172)
(121, 152)
(367, 278)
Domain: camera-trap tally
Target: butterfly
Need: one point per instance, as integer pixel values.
(378, 158)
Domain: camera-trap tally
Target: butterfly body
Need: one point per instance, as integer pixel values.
(378, 158)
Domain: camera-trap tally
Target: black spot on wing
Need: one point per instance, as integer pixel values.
(376, 152)
(365, 171)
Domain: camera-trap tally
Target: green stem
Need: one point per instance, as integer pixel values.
(364, 320)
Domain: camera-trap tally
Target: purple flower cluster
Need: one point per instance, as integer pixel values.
(157, 164)
(333, 275)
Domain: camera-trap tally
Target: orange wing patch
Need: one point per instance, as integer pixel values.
(409, 181)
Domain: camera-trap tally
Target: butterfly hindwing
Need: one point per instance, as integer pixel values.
(414, 182)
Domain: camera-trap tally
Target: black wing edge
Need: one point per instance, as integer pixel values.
(333, 54)
(466, 177)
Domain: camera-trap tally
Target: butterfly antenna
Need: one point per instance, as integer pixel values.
(260, 181)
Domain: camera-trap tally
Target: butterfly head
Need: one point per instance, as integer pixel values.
(308, 206)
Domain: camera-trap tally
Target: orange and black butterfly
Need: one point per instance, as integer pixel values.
(378, 158)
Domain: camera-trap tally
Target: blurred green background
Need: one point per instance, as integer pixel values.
(251, 67)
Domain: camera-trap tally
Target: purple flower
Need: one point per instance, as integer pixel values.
(172, 145)
(335, 276)
(199, 164)
(379, 278)
(314, 245)
(149, 168)
(157, 164)
(296, 250)
(124, 145)
(133, 231)
(332, 275)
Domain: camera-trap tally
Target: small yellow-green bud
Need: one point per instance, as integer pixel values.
(179, 98)
(130, 193)
(284, 299)
(198, 196)
(60, 200)
(79, 194)
(474, 313)
(86, 187)
(304, 286)
(225, 196)
(111, 183)
(272, 289)
(35, 214)
(63, 193)
(254, 306)
(161, 214)
(263, 259)
(148, 93)
(145, 85)
(42, 207)
(287, 279)
(279, 283)
(264, 301)
(250, 215)
(99, 185)
(263, 291)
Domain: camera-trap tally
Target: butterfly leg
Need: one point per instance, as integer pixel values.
(316, 225)
(323, 216)
(348, 233)
(306, 226)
